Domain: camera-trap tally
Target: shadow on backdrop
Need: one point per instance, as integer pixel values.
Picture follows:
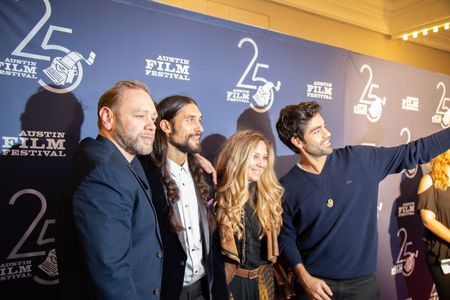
(407, 248)
(34, 166)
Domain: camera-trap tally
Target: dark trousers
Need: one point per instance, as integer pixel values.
(195, 291)
(441, 280)
(350, 289)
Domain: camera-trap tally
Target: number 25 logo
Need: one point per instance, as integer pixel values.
(442, 115)
(49, 266)
(66, 71)
(264, 94)
(370, 104)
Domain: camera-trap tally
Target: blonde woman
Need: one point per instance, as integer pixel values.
(248, 213)
(434, 206)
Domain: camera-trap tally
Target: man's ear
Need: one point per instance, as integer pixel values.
(297, 142)
(165, 126)
(107, 117)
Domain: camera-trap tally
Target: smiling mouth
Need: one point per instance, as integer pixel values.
(195, 137)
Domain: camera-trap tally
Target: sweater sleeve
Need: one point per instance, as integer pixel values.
(382, 161)
(288, 236)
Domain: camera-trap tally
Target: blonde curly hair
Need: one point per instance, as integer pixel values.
(439, 170)
(232, 190)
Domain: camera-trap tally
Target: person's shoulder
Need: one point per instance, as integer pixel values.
(96, 151)
(99, 156)
(292, 175)
(425, 183)
(293, 182)
(352, 151)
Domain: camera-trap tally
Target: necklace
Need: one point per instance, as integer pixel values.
(244, 240)
(327, 193)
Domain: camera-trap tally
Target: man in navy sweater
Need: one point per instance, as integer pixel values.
(329, 234)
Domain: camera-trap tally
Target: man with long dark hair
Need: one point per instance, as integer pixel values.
(183, 192)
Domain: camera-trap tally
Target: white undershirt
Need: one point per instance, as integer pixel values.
(189, 217)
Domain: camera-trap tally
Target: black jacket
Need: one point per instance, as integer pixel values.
(174, 254)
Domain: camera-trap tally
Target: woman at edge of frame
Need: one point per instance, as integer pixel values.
(434, 207)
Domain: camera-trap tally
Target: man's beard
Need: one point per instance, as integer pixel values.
(318, 151)
(184, 146)
(131, 144)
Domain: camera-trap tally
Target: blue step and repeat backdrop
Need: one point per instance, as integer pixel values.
(58, 56)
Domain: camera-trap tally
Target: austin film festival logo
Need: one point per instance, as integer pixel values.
(410, 103)
(35, 144)
(442, 115)
(15, 270)
(320, 90)
(259, 92)
(406, 209)
(29, 257)
(62, 75)
(168, 67)
(406, 259)
(370, 104)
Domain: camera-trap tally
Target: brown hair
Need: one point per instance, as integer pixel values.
(113, 96)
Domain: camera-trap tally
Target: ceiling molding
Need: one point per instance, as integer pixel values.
(389, 17)
(365, 13)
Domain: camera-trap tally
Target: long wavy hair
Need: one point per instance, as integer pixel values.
(439, 170)
(232, 190)
(167, 110)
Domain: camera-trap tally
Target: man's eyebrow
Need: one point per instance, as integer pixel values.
(314, 128)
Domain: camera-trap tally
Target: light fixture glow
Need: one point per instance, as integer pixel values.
(424, 31)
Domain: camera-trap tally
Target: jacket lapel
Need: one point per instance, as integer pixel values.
(203, 213)
(136, 168)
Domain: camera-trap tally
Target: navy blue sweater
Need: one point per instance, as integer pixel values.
(340, 242)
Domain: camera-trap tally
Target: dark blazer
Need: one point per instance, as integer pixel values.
(108, 240)
(174, 252)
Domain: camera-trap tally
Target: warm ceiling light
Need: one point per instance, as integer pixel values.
(424, 31)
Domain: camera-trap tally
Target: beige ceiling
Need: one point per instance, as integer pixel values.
(390, 17)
